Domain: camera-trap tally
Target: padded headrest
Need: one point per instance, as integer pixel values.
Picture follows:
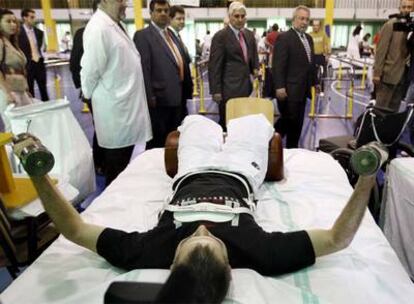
(274, 166)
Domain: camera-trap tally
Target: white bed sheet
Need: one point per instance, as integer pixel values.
(313, 194)
(398, 210)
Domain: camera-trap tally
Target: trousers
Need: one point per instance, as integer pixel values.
(201, 147)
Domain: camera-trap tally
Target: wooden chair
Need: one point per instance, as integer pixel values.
(22, 241)
(237, 107)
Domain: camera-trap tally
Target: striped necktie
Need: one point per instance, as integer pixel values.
(306, 45)
(176, 53)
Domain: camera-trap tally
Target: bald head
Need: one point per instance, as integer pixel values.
(406, 7)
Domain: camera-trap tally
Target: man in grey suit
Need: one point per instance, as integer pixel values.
(163, 63)
(233, 60)
(293, 74)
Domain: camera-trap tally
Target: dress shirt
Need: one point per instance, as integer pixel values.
(305, 42)
(33, 43)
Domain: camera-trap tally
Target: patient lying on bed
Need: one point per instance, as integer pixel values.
(208, 226)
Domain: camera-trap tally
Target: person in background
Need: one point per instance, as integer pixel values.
(75, 68)
(256, 36)
(391, 57)
(354, 44)
(375, 41)
(366, 49)
(233, 60)
(321, 45)
(294, 75)
(164, 66)
(31, 41)
(13, 82)
(177, 24)
(199, 48)
(206, 45)
(112, 77)
(66, 42)
(271, 37)
(263, 50)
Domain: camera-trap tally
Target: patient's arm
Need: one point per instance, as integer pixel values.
(343, 231)
(66, 219)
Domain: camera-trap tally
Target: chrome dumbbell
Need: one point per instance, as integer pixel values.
(36, 159)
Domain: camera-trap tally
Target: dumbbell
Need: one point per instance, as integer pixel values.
(36, 159)
(367, 159)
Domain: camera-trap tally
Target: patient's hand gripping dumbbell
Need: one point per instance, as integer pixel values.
(36, 159)
(367, 159)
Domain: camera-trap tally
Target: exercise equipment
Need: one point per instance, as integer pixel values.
(367, 159)
(36, 159)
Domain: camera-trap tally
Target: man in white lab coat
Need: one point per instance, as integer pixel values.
(112, 77)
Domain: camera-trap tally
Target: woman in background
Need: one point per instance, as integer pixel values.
(355, 43)
(13, 82)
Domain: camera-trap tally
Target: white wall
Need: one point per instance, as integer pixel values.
(252, 13)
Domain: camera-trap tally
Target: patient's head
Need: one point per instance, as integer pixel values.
(200, 272)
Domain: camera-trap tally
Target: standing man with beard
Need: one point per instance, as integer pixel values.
(233, 60)
(294, 74)
(112, 77)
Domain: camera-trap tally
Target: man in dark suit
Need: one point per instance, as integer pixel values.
(233, 60)
(163, 63)
(31, 40)
(294, 74)
(177, 23)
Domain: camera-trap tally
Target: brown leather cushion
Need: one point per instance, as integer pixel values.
(274, 166)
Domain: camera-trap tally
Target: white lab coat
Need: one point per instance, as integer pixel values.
(112, 77)
(353, 47)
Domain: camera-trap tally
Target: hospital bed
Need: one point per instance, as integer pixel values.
(313, 193)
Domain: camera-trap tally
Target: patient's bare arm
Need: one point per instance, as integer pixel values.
(64, 216)
(346, 225)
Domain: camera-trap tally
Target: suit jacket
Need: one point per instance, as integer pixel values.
(228, 72)
(391, 54)
(291, 67)
(161, 73)
(25, 44)
(76, 56)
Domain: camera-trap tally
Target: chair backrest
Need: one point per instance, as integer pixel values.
(238, 107)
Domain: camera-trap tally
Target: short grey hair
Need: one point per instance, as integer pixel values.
(236, 6)
(300, 8)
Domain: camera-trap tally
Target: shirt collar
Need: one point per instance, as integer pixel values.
(298, 32)
(27, 29)
(157, 27)
(106, 17)
(174, 31)
(235, 31)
